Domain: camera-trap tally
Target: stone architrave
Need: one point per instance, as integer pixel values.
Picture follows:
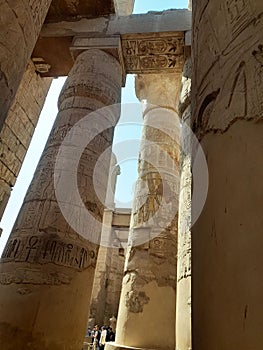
(183, 289)
(153, 52)
(227, 115)
(146, 317)
(47, 269)
(20, 25)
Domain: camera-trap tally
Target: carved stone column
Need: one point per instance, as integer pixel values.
(146, 316)
(227, 118)
(20, 23)
(183, 289)
(47, 269)
(106, 252)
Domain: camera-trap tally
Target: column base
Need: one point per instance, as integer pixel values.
(115, 346)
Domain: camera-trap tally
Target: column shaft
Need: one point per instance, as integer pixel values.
(146, 316)
(20, 23)
(227, 118)
(183, 289)
(47, 269)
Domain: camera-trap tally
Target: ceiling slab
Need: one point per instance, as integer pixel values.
(68, 10)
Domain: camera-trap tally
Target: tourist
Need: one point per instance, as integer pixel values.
(96, 337)
(102, 338)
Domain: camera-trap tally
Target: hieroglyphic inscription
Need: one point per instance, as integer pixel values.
(184, 224)
(184, 256)
(238, 12)
(38, 9)
(258, 76)
(185, 195)
(33, 276)
(39, 249)
(150, 53)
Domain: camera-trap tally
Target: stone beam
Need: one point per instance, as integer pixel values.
(121, 218)
(70, 10)
(151, 22)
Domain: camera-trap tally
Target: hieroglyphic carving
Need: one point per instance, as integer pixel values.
(38, 10)
(184, 227)
(238, 12)
(161, 245)
(185, 197)
(150, 53)
(33, 277)
(239, 93)
(39, 249)
(258, 76)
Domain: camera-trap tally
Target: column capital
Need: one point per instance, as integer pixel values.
(159, 89)
(108, 43)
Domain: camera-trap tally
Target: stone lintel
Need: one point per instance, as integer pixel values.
(121, 219)
(151, 22)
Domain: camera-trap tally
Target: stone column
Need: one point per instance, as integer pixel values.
(112, 183)
(20, 23)
(114, 286)
(227, 106)
(100, 288)
(100, 284)
(47, 269)
(107, 281)
(183, 289)
(146, 316)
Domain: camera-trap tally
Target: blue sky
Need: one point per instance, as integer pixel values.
(124, 132)
(143, 6)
